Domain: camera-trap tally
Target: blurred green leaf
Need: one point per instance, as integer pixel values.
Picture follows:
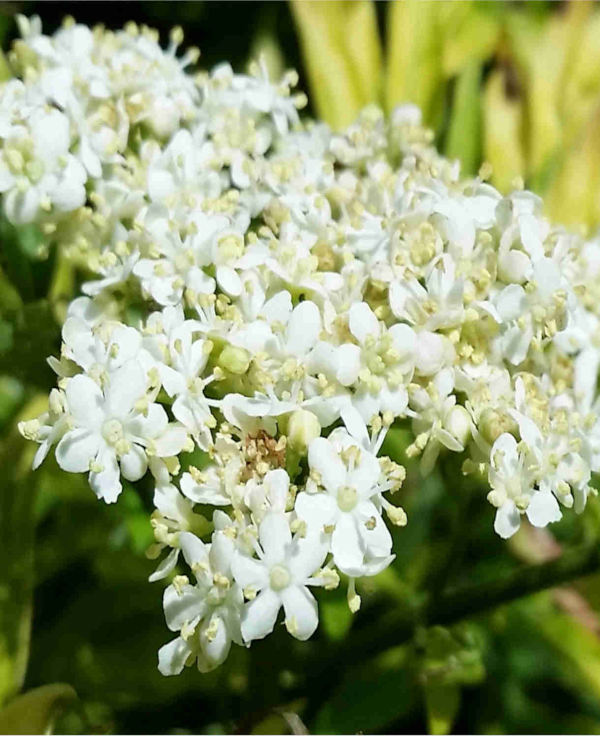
(371, 695)
(336, 617)
(17, 496)
(464, 136)
(35, 712)
(442, 702)
(414, 57)
(503, 120)
(35, 335)
(342, 53)
(470, 33)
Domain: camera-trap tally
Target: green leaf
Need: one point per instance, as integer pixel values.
(336, 617)
(464, 136)
(414, 61)
(36, 710)
(342, 53)
(370, 696)
(35, 336)
(470, 32)
(442, 702)
(503, 124)
(17, 496)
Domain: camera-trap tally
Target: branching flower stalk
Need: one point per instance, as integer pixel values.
(296, 292)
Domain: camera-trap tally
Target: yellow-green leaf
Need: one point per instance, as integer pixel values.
(36, 711)
(341, 49)
(574, 194)
(464, 135)
(414, 63)
(503, 120)
(470, 34)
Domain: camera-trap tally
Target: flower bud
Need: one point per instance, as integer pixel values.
(235, 360)
(303, 428)
(493, 423)
(458, 423)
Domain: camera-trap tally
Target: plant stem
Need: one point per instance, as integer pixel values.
(396, 628)
(456, 604)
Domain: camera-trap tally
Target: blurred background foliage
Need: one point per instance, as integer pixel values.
(513, 84)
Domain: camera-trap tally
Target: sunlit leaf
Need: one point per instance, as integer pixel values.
(414, 57)
(503, 120)
(470, 32)
(341, 49)
(464, 136)
(35, 712)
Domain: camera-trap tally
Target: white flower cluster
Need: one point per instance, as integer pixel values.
(273, 297)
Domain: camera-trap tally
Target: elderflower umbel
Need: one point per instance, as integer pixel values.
(296, 292)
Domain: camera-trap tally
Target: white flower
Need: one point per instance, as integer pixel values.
(180, 378)
(349, 507)
(438, 420)
(37, 172)
(512, 490)
(114, 427)
(279, 577)
(208, 613)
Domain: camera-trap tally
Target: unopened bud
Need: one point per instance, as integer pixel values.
(458, 423)
(303, 428)
(234, 360)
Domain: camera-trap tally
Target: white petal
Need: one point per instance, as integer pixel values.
(277, 483)
(507, 520)
(404, 339)
(171, 442)
(504, 453)
(376, 536)
(306, 556)
(362, 321)
(278, 307)
(85, 401)
(229, 280)
(106, 484)
(166, 566)
(303, 328)
(193, 548)
(126, 385)
(216, 647)
(347, 359)
(316, 509)
(431, 353)
(259, 616)
(184, 606)
(355, 425)
(203, 493)
(365, 475)
(173, 656)
(275, 536)
(301, 613)
(76, 449)
(543, 509)
(222, 549)
(511, 302)
(249, 572)
(134, 464)
(346, 543)
(323, 458)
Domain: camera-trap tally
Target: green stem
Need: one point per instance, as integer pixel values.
(459, 603)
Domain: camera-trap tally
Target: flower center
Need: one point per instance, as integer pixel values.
(279, 577)
(112, 431)
(347, 498)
